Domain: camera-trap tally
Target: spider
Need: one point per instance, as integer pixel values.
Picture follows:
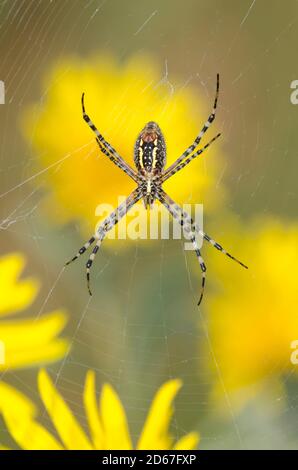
(150, 174)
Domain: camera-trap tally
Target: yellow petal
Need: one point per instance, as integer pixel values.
(16, 295)
(68, 428)
(29, 434)
(188, 442)
(114, 421)
(31, 342)
(50, 352)
(12, 399)
(92, 411)
(22, 333)
(155, 434)
(19, 416)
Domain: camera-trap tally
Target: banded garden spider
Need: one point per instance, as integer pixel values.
(150, 159)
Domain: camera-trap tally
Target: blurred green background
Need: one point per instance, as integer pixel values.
(142, 326)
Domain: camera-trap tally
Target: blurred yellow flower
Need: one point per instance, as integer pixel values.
(30, 341)
(107, 423)
(120, 99)
(252, 319)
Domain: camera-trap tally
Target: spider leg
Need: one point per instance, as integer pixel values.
(190, 227)
(91, 259)
(108, 224)
(197, 140)
(220, 248)
(187, 227)
(181, 165)
(188, 220)
(124, 168)
(82, 250)
(111, 152)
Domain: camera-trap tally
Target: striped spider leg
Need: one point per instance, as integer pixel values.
(181, 165)
(176, 166)
(191, 229)
(107, 149)
(104, 228)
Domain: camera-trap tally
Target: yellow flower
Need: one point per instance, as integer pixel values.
(30, 341)
(107, 423)
(252, 319)
(120, 99)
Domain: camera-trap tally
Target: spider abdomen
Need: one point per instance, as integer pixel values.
(150, 150)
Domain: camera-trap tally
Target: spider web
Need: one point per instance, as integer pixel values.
(142, 327)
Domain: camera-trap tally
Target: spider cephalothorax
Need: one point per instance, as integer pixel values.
(150, 159)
